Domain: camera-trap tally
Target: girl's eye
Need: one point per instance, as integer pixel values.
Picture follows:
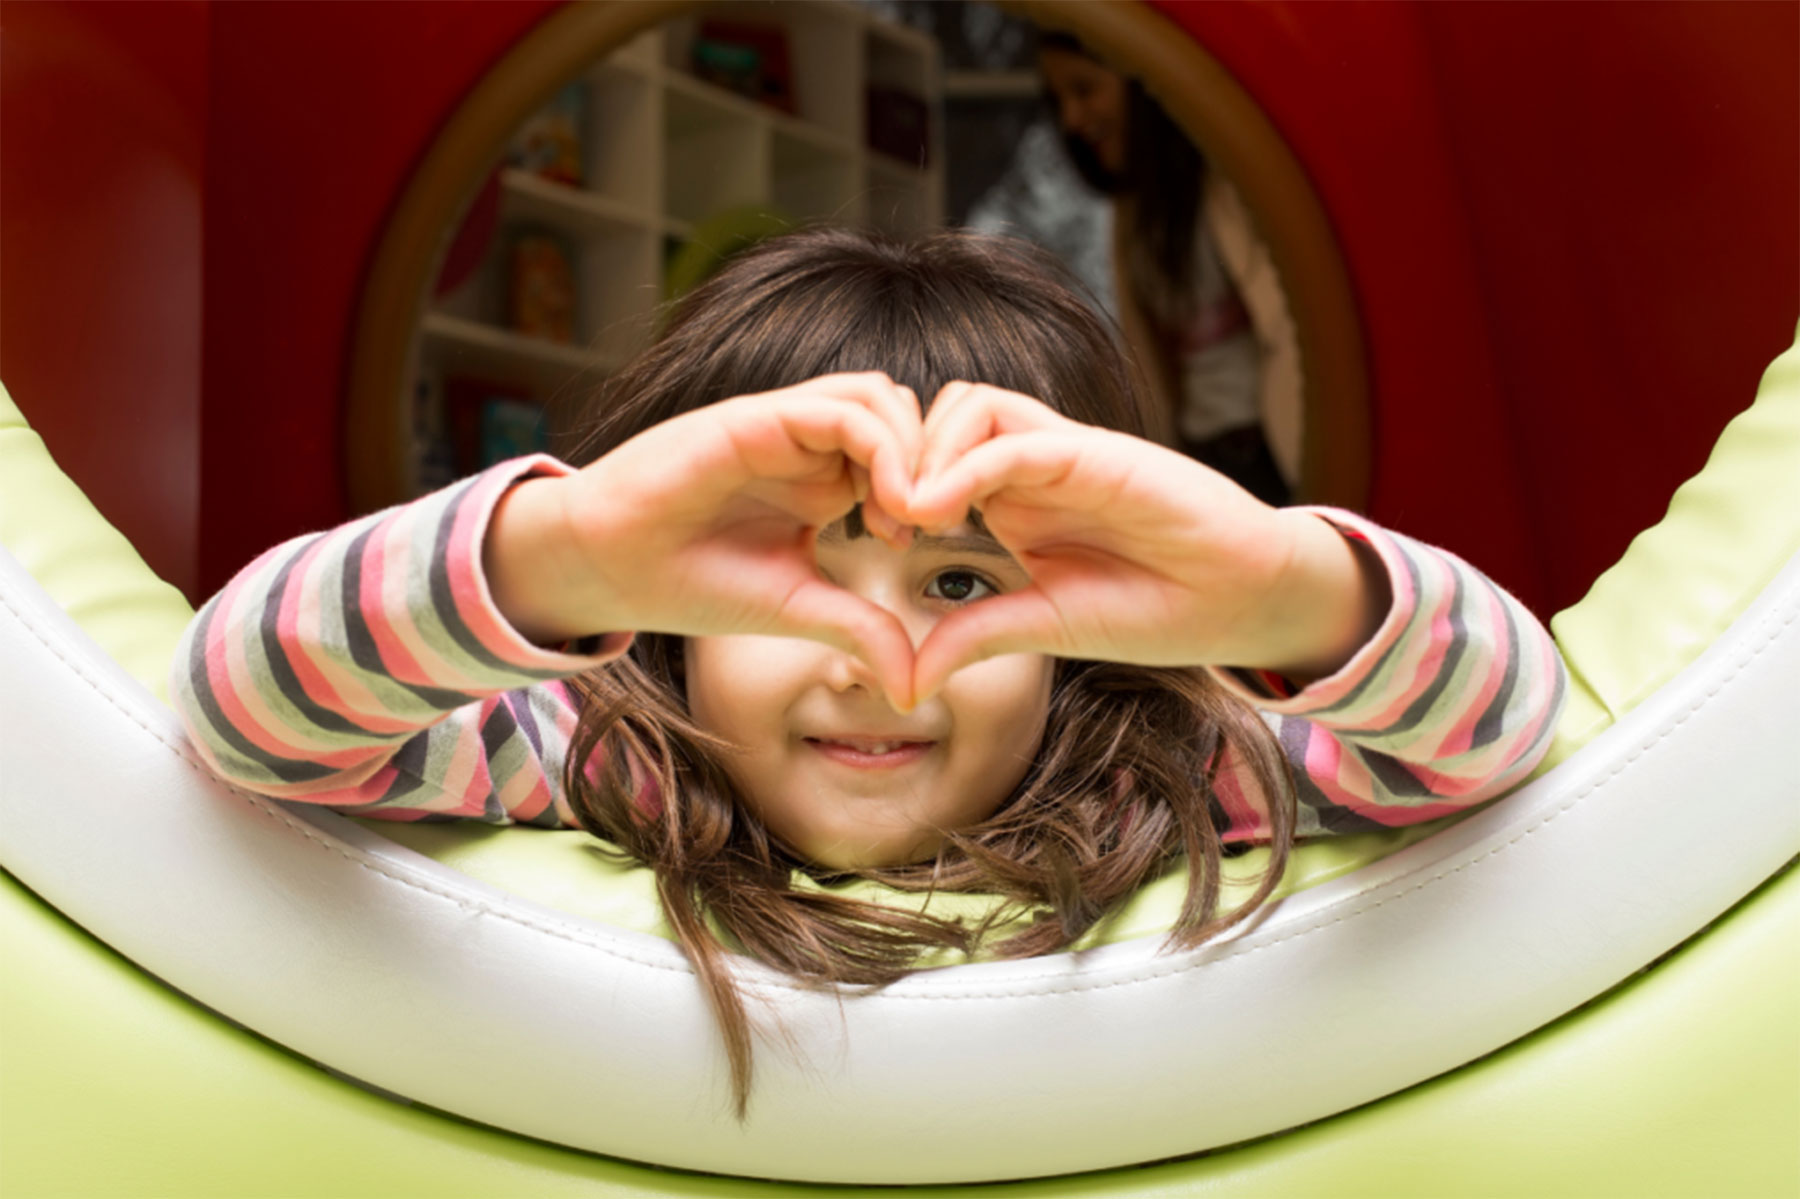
(959, 587)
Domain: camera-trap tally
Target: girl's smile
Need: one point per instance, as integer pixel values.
(864, 753)
(827, 764)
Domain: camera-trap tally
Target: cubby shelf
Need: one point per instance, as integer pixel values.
(664, 153)
(478, 350)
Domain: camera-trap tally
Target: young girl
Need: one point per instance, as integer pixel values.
(912, 601)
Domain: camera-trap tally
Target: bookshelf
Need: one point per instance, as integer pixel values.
(666, 156)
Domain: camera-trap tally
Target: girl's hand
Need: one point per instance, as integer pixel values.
(1136, 553)
(704, 525)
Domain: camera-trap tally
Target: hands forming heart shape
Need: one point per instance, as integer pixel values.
(705, 524)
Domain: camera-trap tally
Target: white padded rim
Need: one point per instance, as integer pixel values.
(391, 968)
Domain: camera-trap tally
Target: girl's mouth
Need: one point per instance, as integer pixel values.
(868, 753)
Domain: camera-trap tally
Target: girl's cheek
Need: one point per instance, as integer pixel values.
(1009, 695)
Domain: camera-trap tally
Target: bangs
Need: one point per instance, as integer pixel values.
(927, 312)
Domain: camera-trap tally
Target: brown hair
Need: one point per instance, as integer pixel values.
(1122, 789)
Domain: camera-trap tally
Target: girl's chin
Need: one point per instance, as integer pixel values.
(873, 857)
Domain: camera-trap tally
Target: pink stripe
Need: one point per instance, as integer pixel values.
(1456, 739)
(465, 774)
(329, 680)
(469, 592)
(1410, 676)
(383, 621)
(1247, 819)
(1345, 780)
(523, 795)
(234, 683)
(532, 803)
(432, 667)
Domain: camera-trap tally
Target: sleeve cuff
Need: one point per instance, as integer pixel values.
(1275, 693)
(469, 582)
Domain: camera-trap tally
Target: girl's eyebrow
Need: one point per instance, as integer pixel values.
(980, 542)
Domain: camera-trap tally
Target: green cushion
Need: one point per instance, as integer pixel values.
(1680, 1083)
(1728, 531)
(85, 564)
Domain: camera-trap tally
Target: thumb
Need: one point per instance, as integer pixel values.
(1017, 622)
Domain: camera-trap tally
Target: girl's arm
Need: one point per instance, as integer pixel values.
(1405, 682)
(368, 668)
(1452, 700)
(399, 664)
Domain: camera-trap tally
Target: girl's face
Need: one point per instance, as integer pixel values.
(1090, 103)
(826, 764)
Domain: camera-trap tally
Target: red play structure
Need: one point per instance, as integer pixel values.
(1573, 231)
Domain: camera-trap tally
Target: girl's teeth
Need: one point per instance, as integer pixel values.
(874, 748)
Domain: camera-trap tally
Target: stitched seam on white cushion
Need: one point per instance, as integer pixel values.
(269, 808)
(1212, 957)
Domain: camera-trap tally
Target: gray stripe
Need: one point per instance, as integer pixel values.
(1333, 817)
(285, 770)
(361, 642)
(1396, 778)
(1340, 821)
(282, 673)
(520, 703)
(443, 599)
(1295, 733)
(1557, 694)
(409, 765)
(357, 638)
(496, 732)
(1379, 669)
(1493, 720)
(1421, 707)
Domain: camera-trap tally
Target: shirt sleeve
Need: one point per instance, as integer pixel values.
(1452, 702)
(368, 668)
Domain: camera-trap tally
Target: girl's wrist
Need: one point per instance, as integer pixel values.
(532, 575)
(1330, 600)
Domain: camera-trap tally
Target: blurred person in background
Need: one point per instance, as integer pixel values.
(1199, 300)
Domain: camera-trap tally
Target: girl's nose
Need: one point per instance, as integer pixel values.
(845, 672)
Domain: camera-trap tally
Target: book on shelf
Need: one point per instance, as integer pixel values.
(747, 58)
(511, 428)
(487, 422)
(434, 461)
(549, 144)
(541, 294)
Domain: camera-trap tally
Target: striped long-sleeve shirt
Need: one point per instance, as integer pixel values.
(368, 668)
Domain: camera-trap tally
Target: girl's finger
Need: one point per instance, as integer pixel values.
(1041, 459)
(1018, 622)
(806, 439)
(830, 426)
(967, 414)
(897, 406)
(884, 525)
(819, 611)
